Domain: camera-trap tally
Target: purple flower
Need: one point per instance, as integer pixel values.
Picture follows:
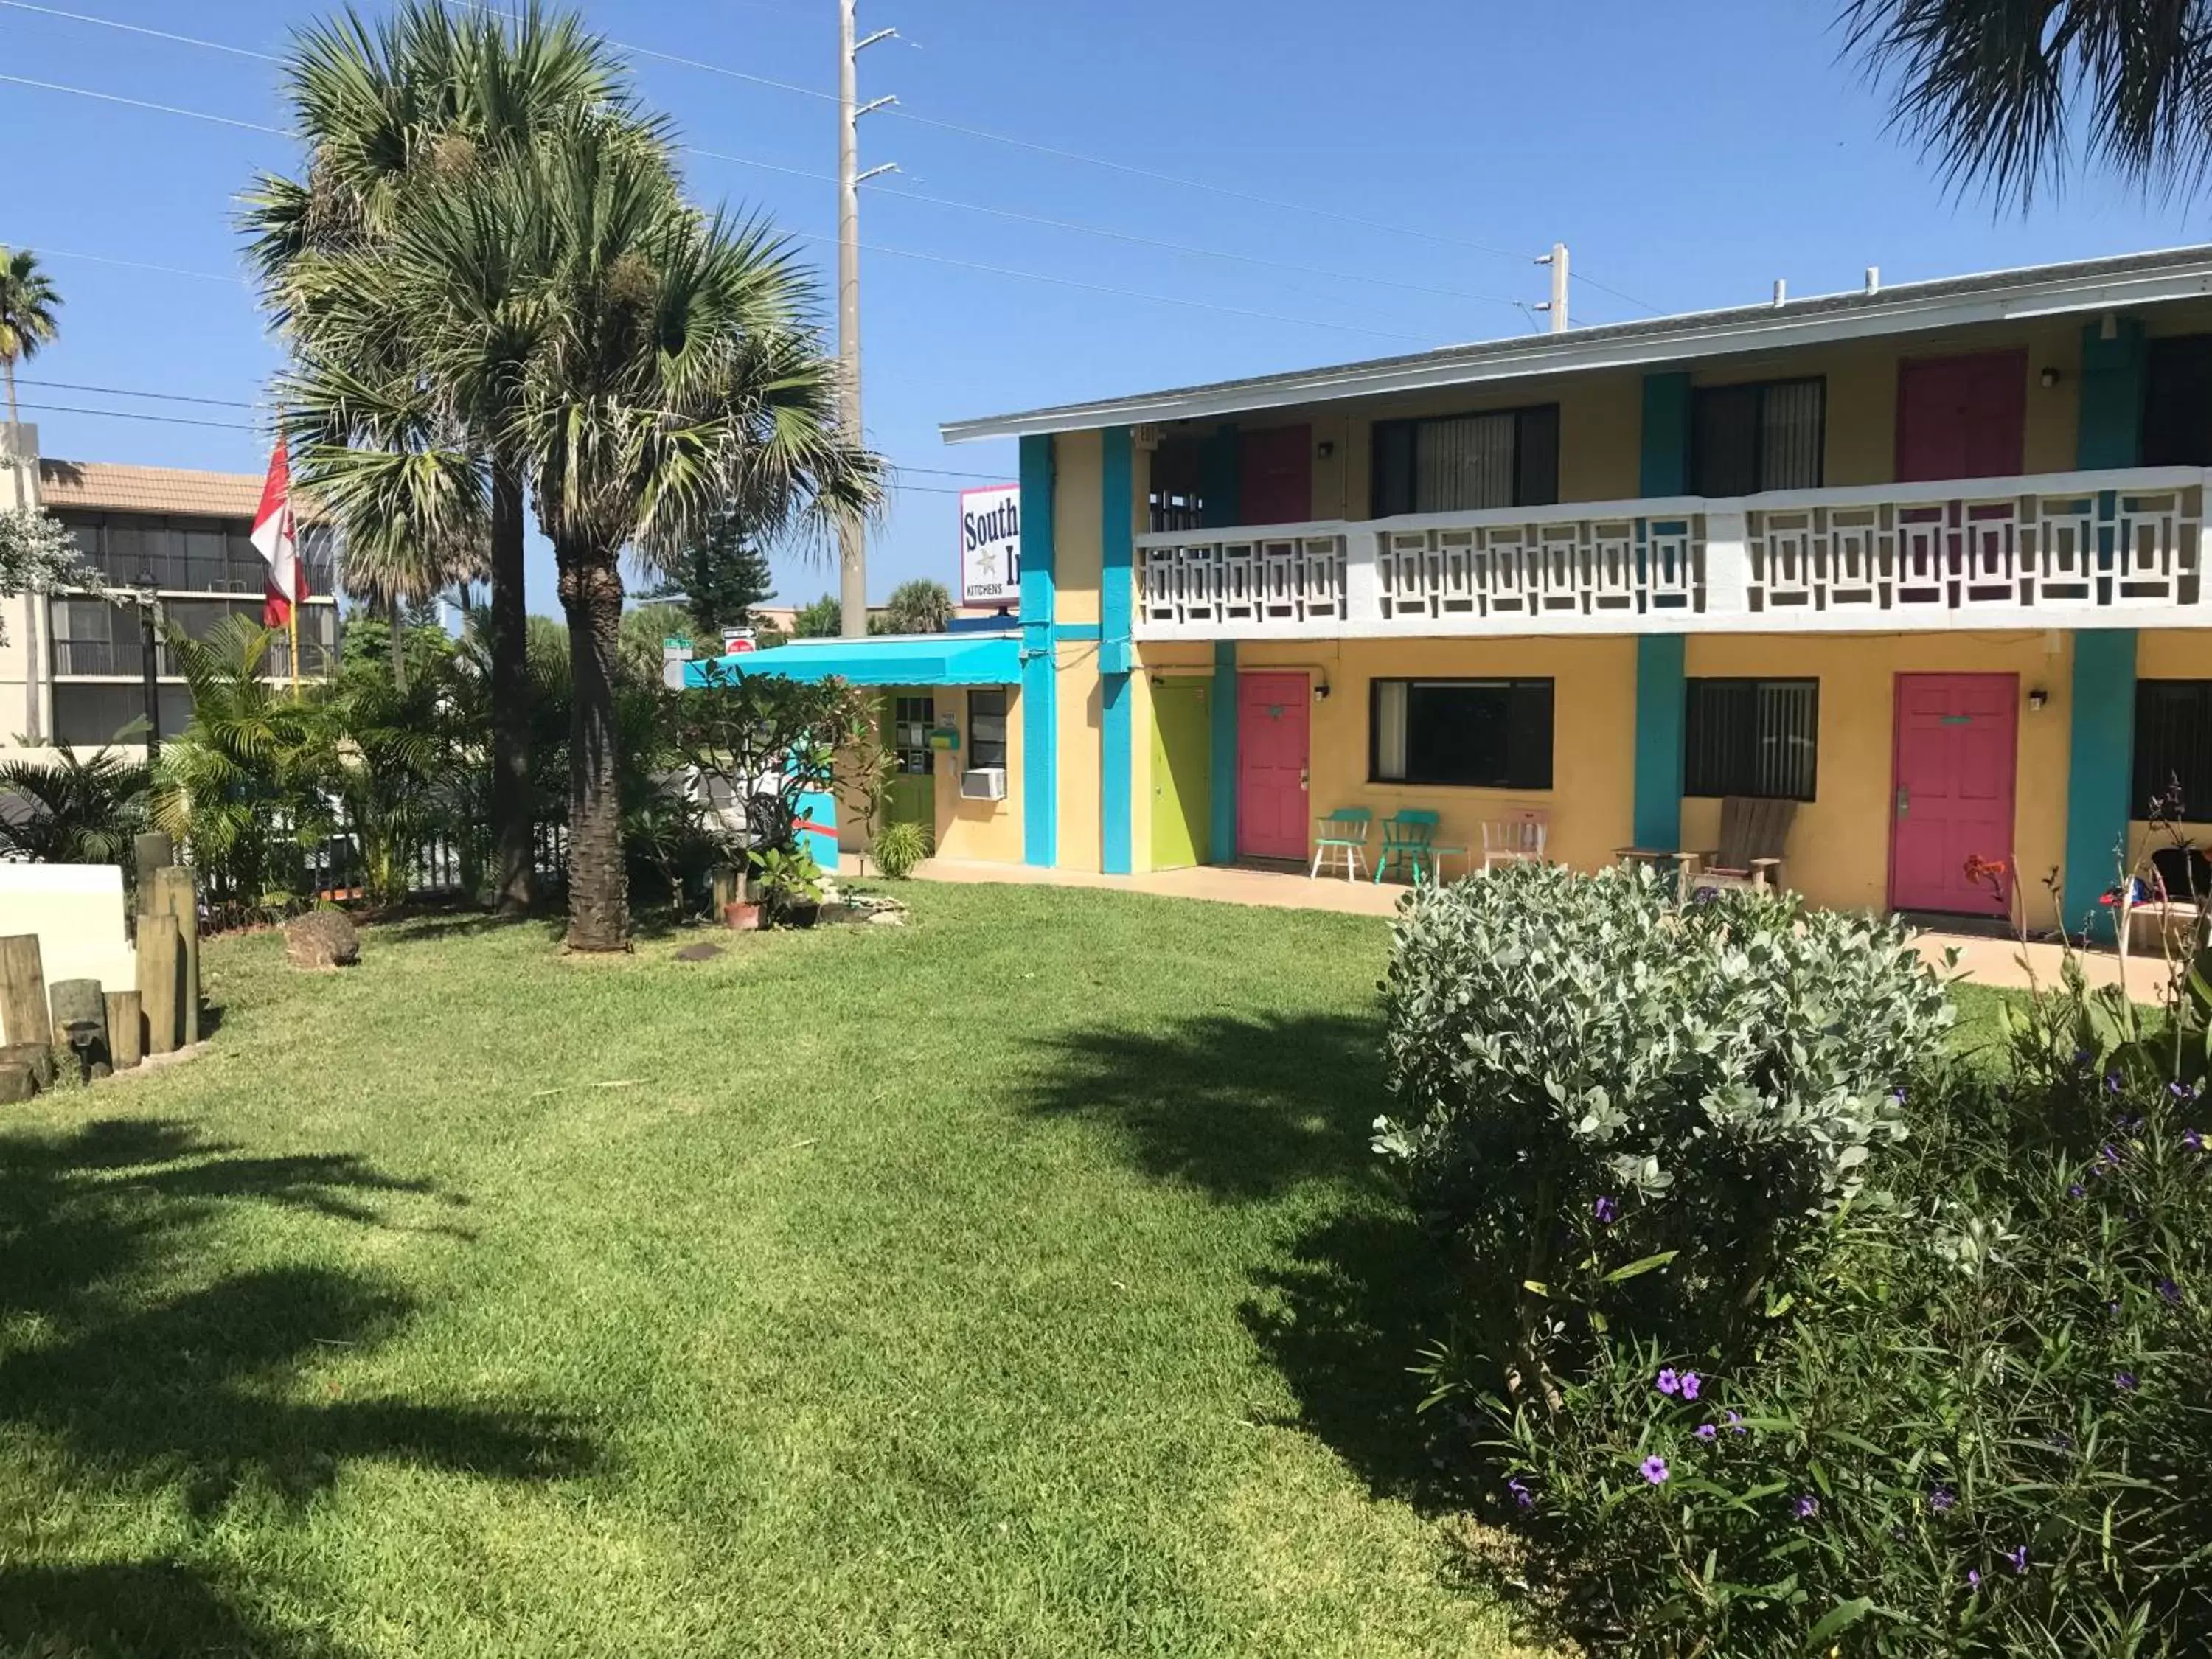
(1522, 1495)
(1898, 1095)
(1735, 1422)
(2125, 1381)
(2130, 1125)
(2180, 1090)
(1668, 1382)
(2077, 1190)
(1607, 1211)
(2191, 1139)
(1942, 1499)
(2018, 1557)
(2111, 1083)
(1974, 1577)
(2170, 1291)
(1655, 1470)
(1690, 1383)
(2109, 1154)
(1707, 1432)
(2062, 1442)
(1806, 1507)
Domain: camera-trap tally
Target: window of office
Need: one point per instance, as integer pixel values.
(1480, 733)
(1744, 737)
(2173, 745)
(1767, 435)
(1464, 463)
(987, 727)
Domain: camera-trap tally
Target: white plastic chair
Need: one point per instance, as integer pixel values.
(1509, 840)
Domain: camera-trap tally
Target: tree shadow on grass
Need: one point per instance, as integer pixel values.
(1246, 1108)
(1241, 1108)
(142, 1377)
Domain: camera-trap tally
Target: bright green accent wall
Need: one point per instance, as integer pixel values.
(1182, 741)
(2111, 432)
(1664, 468)
(2101, 771)
(1660, 696)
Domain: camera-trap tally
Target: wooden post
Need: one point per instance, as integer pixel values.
(725, 876)
(36, 1058)
(17, 1083)
(161, 981)
(126, 1030)
(176, 894)
(151, 852)
(78, 1001)
(23, 992)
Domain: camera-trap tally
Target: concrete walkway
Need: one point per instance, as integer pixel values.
(1985, 961)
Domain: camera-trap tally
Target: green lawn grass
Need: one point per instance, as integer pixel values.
(1016, 1282)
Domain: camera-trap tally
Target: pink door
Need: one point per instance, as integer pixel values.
(1272, 714)
(1274, 476)
(1953, 800)
(1962, 417)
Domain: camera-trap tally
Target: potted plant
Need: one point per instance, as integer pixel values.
(790, 884)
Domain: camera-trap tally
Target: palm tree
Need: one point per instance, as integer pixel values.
(70, 811)
(388, 109)
(920, 606)
(29, 300)
(2002, 92)
(670, 363)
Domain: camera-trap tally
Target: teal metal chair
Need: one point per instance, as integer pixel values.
(1342, 837)
(1410, 844)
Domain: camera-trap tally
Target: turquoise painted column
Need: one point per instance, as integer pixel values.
(1224, 757)
(1116, 610)
(1660, 695)
(2111, 430)
(1665, 459)
(2100, 774)
(1040, 783)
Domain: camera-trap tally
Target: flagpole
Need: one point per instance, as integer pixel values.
(292, 622)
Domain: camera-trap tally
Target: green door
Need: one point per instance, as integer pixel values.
(1183, 758)
(912, 797)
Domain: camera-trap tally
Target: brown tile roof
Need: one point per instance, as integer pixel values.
(113, 487)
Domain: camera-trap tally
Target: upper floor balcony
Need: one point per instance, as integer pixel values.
(2066, 550)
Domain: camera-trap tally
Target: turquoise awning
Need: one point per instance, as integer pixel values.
(931, 659)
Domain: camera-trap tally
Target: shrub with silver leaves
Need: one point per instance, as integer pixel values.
(1628, 1109)
(38, 553)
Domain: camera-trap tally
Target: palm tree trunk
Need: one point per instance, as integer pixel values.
(598, 891)
(399, 642)
(508, 633)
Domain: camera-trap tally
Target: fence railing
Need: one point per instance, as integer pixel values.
(2048, 550)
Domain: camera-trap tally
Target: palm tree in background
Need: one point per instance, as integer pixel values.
(29, 300)
(663, 364)
(389, 108)
(919, 607)
(2002, 92)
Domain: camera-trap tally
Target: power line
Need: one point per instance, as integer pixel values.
(140, 103)
(1609, 288)
(1115, 235)
(126, 391)
(133, 414)
(1102, 288)
(135, 28)
(135, 265)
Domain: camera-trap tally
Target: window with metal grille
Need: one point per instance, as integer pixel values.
(1751, 737)
(987, 727)
(1767, 435)
(1491, 734)
(1464, 463)
(911, 718)
(2173, 748)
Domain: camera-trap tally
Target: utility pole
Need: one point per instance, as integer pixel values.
(852, 536)
(1557, 259)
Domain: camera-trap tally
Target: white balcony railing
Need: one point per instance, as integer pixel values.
(2052, 550)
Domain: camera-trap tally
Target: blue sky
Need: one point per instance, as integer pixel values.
(1414, 155)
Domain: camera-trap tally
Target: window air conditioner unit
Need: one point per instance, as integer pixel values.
(983, 783)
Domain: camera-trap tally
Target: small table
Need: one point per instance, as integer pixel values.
(1661, 859)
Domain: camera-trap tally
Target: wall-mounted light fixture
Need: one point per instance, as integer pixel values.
(1328, 447)
(1320, 690)
(2050, 378)
(2038, 697)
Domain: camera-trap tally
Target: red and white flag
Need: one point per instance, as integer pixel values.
(278, 538)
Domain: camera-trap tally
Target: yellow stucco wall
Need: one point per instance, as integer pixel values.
(1591, 800)
(1838, 847)
(1076, 521)
(985, 830)
(1081, 717)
